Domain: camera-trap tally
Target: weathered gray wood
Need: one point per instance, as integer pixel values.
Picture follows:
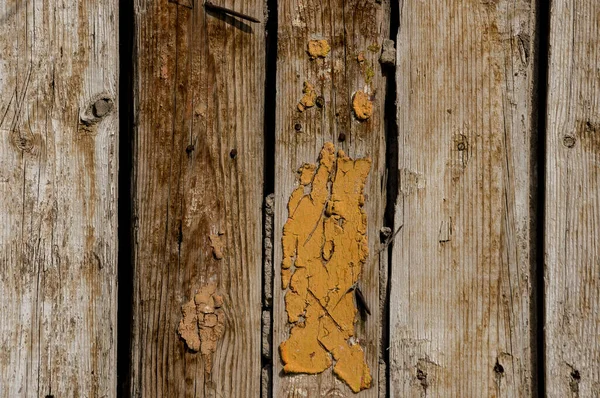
(572, 191)
(198, 170)
(351, 28)
(461, 267)
(58, 190)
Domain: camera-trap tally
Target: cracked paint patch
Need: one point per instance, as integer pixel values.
(309, 98)
(362, 105)
(203, 324)
(318, 49)
(324, 249)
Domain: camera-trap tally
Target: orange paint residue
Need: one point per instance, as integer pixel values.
(203, 324)
(362, 105)
(324, 249)
(318, 49)
(309, 98)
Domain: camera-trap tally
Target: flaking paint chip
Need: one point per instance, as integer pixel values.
(324, 250)
(362, 105)
(318, 49)
(309, 98)
(203, 324)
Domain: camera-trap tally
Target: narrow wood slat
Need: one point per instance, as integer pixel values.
(572, 201)
(198, 171)
(350, 28)
(461, 271)
(58, 198)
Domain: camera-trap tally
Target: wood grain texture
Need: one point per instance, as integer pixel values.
(58, 190)
(198, 170)
(572, 212)
(351, 28)
(461, 267)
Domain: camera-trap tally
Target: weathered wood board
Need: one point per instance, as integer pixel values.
(572, 192)
(461, 279)
(58, 190)
(354, 30)
(198, 175)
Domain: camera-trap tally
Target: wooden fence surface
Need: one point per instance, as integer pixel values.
(461, 284)
(311, 214)
(572, 215)
(58, 198)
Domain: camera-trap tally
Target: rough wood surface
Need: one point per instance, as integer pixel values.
(58, 189)
(351, 28)
(572, 212)
(461, 267)
(198, 171)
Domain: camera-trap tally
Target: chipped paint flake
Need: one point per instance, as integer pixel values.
(324, 249)
(318, 49)
(309, 98)
(203, 324)
(362, 105)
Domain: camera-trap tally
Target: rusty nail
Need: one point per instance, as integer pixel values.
(215, 7)
(233, 153)
(342, 137)
(320, 101)
(361, 301)
(297, 127)
(569, 141)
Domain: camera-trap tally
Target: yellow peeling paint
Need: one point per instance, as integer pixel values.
(324, 249)
(309, 99)
(362, 105)
(203, 324)
(318, 48)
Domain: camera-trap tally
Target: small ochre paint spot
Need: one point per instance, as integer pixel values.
(318, 49)
(362, 105)
(309, 99)
(324, 250)
(203, 324)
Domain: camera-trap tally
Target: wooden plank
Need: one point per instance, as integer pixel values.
(58, 190)
(198, 176)
(461, 279)
(354, 31)
(572, 216)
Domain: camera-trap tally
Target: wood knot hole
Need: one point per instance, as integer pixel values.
(25, 141)
(100, 106)
(499, 369)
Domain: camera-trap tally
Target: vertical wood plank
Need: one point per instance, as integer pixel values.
(350, 28)
(58, 190)
(572, 212)
(461, 267)
(198, 171)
